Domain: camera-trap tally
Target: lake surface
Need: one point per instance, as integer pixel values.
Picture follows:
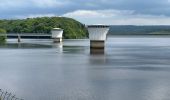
(135, 68)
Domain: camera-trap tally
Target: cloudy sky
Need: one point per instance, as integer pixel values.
(116, 12)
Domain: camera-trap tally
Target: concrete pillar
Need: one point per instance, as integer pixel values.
(57, 40)
(57, 35)
(97, 36)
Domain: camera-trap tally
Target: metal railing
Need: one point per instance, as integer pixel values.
(4, 95)
(29, 36)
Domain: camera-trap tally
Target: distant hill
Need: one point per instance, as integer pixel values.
(72, 28)
(139, 30)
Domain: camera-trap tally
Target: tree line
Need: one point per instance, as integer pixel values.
(72, 28)
(2, 36)
(139, 30)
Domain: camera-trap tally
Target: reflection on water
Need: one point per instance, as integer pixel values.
(74, 49)
(97, 59)
(24, 45)
(97, 51)
(131, 69)
(58, 46)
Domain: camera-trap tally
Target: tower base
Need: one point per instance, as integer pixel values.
(97, 47)
(57, 40)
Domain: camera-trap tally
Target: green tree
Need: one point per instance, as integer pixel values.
(72, 28)
(2, 36)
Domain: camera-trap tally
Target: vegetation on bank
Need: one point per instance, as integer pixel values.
(72, 28)
(139, 30)
(2, 36)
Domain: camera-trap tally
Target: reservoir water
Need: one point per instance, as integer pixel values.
(135, 68)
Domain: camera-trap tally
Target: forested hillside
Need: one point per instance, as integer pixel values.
(72, 28)
(139, 30)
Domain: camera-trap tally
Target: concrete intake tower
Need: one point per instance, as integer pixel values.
(97, 36)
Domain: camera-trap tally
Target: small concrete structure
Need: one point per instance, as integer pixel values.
(57, 34)
(97, 36)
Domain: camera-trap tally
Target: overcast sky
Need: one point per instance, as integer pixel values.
(116, 12)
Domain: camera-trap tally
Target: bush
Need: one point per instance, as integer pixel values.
(2, 36)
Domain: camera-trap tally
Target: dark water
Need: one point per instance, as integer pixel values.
(132, 69)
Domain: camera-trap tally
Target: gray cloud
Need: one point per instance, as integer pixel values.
(27, 8)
